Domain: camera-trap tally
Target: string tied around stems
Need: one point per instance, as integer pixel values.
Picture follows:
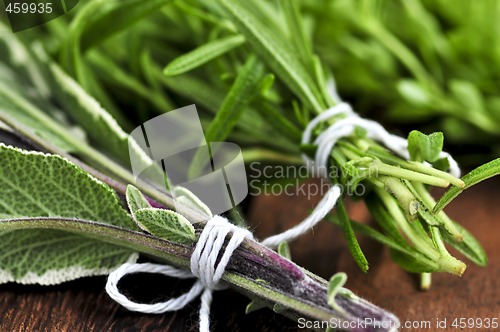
(346, 126)
(210, 245)
(204, 265)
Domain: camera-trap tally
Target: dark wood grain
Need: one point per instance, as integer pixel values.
(83, 305)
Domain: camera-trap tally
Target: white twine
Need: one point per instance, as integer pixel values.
(203, 267)
(211, 241)
(326, 204)
(203, 262)
(346, 126)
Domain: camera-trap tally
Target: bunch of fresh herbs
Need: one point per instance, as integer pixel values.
(252, 69)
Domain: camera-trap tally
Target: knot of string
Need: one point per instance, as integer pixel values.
(204, 267)
(203, 261)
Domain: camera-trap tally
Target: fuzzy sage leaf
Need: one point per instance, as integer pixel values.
(136, 201)
(34, 184)
(186, 198)
(284, 250)
(337, 281)
(166, 224)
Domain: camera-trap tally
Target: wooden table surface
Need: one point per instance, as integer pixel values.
(83, 305)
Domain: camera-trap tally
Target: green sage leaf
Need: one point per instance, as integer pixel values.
(98, 123)
(284, 250)
(186, 198)
(136, 201)
(166, 224)
(25, 93)
(254, 305)
(34, 184)
(337, 281)
(14, 105)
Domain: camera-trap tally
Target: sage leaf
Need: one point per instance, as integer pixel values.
(34, 184)
(337, 281)
(15, 105)
(166, 224)
(19, 62)
(477, 175)
(279, 308)
(136, 201)
(284, 250)
(254, 305)
(24, 94)
(90, 26)
(186, 198)
(203, 54)
(74, 104)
